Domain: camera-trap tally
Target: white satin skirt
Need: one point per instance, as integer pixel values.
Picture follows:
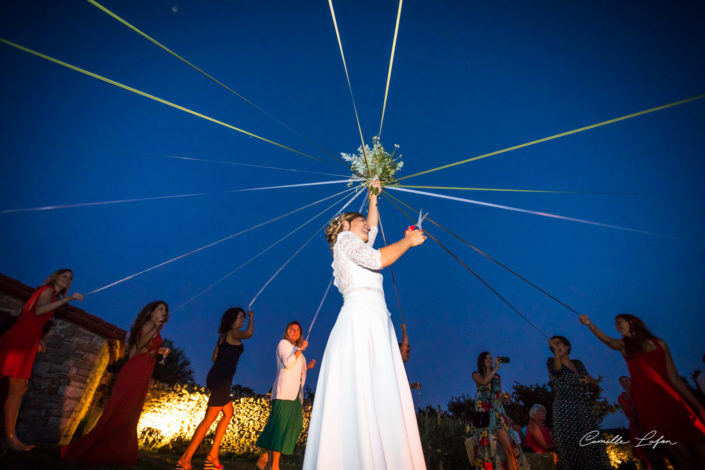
(363, 415)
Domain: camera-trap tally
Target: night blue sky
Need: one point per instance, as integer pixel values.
(469, 78)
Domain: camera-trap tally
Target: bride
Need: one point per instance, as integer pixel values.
(363, 415)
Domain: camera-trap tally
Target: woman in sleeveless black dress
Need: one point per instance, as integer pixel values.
(219, 381)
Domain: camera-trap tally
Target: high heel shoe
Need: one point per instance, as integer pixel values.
(208, 464)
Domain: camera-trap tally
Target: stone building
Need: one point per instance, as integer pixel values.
(64, 380)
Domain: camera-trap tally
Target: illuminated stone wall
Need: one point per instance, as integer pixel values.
(171, 415)
(619, 453)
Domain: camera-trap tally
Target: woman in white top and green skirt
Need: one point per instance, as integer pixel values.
(286, 418)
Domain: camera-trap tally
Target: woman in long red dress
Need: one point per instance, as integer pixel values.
(20, 344)
(665, 406)
(113, 440)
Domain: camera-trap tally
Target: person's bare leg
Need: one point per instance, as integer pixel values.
(16, 389)
(219, 433)
(503, 439)
(198, 435)
(275, 460)
(262, 461)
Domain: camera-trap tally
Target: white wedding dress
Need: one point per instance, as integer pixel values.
(363, 415)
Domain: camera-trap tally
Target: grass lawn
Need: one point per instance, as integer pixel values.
(47, 457)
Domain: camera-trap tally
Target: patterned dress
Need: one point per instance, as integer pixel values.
(488, 453)
(113, 440)
(572, 420)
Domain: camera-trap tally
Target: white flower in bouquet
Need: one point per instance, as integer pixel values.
(382, 164)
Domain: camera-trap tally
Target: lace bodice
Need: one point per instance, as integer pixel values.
(355, 263)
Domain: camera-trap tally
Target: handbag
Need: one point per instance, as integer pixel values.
(481, 419)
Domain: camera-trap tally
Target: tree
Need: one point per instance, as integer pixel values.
(309, 394)
(176, 367)
(462, 407)
(240, 391)
(523, 397)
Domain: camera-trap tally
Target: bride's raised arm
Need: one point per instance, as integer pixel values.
(372, 213)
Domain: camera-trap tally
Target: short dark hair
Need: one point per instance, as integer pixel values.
(563, 340)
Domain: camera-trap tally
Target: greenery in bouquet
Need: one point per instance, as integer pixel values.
(382, 164)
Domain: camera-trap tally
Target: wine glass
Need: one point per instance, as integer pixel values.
(165, 353)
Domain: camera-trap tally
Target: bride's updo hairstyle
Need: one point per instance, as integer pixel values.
(336, 226)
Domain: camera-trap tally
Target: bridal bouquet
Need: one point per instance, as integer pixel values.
(382, 164)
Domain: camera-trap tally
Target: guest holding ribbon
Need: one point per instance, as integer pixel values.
(405, 351)
(20, 344)
(664, 405)
(572, 419)
(286, 418)
(404, 347)
(113, 440)
(219, 381)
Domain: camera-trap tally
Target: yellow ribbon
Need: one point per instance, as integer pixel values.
(562, 134)
(152, 97)
(154, 41)
(352, 97)
(389, 74)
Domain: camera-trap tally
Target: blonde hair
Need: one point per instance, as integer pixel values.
(336, 226)
(53, 278)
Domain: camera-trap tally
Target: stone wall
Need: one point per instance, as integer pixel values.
(64, 379)
(171, 415)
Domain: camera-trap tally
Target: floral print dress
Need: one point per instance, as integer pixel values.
(488, 453)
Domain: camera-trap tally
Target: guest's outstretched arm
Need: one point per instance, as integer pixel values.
(247, 332)
(404, 335)
(45, 305)
(613, 343)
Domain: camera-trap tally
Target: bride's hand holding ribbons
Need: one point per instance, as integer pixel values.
(374, 189)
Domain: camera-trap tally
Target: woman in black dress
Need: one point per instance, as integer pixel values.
(572, 420)
(219, 381)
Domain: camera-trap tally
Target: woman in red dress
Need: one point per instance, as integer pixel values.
(19, 346)
(113, 440)
(664, 405)
(538, 436)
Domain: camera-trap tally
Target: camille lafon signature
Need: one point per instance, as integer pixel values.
(648, 440)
